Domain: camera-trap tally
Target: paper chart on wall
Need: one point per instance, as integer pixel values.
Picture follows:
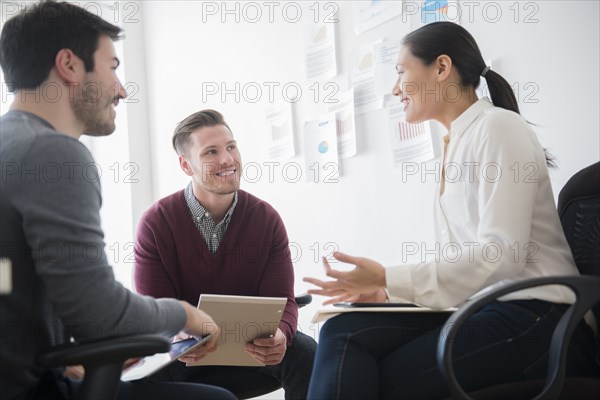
(319, 48)
(345, 124)
(280, 131)
(438, 10)
(385, 56)
(366, 97)
(320, 150)
(369, 14)
(410, 142)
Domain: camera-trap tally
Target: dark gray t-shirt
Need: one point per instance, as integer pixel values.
(62, 284)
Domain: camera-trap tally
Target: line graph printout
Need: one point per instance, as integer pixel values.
(385, 55)
(437, 11)
(366, 98)
(369, 14)
(319, 49)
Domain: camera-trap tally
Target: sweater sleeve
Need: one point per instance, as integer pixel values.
(61, 223)
(278, 280)
(150, 275)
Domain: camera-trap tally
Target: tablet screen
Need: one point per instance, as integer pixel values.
(149, 365)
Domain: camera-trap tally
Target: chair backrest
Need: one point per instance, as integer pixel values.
(579, 211)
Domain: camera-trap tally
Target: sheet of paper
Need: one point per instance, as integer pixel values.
(320, 150)
(410, 142)
(5, 276)
(280, 131)
(345, 124)
(385, 56)
(369, 14)
(366, 97)
(438, 10)
(319, 43)
(327, 312)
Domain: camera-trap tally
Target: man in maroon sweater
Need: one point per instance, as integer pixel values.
(214, 238)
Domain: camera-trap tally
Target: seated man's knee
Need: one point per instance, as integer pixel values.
(303, 349)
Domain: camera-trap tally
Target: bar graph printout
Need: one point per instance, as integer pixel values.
(345, 126)
(280, 131)
(410, 142)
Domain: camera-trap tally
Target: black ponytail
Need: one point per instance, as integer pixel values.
(501, 92)
(432, 40)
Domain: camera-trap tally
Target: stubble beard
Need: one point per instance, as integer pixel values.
(92, 113)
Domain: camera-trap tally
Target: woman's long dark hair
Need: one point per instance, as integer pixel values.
(432, 40)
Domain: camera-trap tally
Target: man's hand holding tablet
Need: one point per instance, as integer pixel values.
(199, 324)
(135, 369)
(199, 352)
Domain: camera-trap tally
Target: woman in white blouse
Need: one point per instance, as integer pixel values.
(496, 222)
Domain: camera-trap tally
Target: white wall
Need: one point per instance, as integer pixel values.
(558, 57)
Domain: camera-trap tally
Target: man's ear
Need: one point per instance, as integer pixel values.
(68, 66)
(444, 66)
(185, 166)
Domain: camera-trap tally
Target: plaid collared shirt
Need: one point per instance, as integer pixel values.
(213, 233)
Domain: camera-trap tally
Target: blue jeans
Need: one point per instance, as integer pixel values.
(393, 355)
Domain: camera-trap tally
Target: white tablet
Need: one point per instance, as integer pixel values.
(241, 319)
(149, 365)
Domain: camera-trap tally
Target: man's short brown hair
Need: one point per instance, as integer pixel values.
(200, 119)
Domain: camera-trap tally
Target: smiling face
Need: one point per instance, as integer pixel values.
(95, 99)
(418, 87)
(213, 161)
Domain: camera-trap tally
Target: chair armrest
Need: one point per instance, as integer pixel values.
(103, 351)
(303, 299)
(102, 360)
(586, 296)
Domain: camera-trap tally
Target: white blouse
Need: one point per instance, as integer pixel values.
(496, 221)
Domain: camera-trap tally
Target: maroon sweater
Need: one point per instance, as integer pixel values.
(253, 259)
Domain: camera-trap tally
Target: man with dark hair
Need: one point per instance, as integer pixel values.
(51, 242)
(213, 237)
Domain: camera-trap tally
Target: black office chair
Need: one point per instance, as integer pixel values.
(579, 211)
(102, 360)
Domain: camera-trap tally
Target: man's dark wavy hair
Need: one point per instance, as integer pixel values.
(31, 39)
